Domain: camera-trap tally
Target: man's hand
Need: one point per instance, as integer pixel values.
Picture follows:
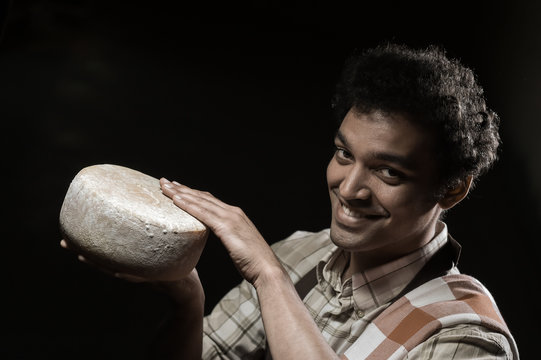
(250, 253)
(291, 331)
(184, 292)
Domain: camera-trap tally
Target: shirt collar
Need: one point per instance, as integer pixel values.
(378, 285)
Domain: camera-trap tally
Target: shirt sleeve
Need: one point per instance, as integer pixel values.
(234, 329)
(464, 342)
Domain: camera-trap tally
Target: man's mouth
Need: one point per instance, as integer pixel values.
(350, 212)
(359, 213)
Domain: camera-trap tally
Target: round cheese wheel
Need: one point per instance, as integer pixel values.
(118, 218)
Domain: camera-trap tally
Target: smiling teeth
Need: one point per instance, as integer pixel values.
(350, 212)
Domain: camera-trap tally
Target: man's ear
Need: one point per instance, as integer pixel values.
(455, 195)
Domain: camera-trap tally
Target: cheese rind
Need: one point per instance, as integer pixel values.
(118, 218)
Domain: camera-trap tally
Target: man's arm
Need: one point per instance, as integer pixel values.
(181, 336)
(291, 332)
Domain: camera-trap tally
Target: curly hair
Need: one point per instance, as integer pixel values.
(439, 93)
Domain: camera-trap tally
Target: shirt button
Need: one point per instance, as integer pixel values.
(360, 313)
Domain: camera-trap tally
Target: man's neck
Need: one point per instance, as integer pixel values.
(360, 261)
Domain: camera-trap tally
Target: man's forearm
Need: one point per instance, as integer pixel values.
(291, 331)
(180, 337)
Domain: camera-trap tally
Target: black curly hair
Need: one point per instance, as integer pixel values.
(439, 93)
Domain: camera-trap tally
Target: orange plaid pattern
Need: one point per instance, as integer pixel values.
(443, 302)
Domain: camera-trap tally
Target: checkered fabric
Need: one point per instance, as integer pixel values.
(344, 311)
(443, 302)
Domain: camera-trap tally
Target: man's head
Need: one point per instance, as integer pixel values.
(438, 93)
(414, 131)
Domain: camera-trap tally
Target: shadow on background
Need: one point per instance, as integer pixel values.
(233, 100)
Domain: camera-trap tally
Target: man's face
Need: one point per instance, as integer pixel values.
(381, 183)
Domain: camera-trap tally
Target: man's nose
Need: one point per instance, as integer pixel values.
(354, 184)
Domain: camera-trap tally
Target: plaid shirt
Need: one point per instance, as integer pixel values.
(342, 310)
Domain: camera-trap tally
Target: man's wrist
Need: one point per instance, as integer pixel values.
(272, 277)
(182, 296)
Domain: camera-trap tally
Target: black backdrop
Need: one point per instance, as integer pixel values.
(233, 99)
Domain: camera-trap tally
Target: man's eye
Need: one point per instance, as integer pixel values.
(390, 173)
(342, 153)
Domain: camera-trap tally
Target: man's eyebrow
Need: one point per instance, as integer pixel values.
(341, 137)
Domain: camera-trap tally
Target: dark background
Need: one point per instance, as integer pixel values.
(233, 99)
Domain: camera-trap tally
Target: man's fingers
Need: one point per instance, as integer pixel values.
(205, 210)
(215, 214)
(64, 244)
(182, 194)
(171, 188)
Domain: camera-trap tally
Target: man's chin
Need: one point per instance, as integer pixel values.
(345, 239)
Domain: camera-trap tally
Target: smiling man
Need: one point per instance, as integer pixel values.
(381, 183)
(382, 282)
(414, 134)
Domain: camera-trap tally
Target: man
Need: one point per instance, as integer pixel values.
(382, 282)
